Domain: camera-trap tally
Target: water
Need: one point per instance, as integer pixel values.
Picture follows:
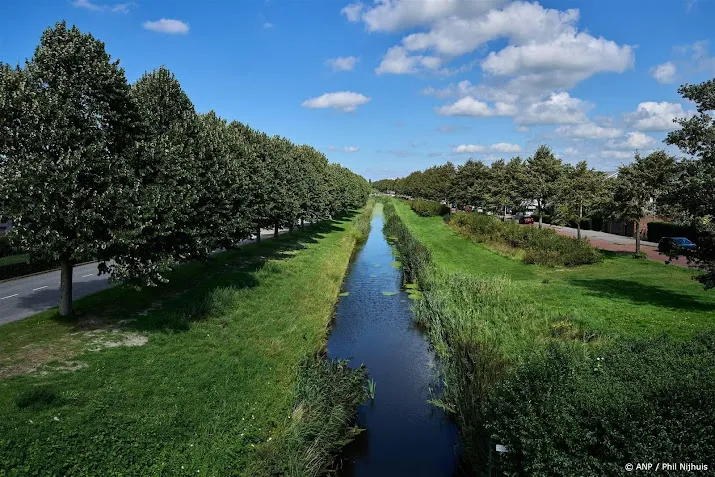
(405, 435)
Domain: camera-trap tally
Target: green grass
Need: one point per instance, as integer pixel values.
(619, 296)
(214, 383)
(13, 259)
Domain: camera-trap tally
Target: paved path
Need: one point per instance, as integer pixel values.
(619, 243)
(26, 296)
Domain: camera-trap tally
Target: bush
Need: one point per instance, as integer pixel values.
(542, 246)
(589, 413)
(427, 208)
(6, 249)
(414, 256)
(24, 268)
(658, 230)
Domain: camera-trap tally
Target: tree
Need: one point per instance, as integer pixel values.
(469, 185)
(67, 123)
(167, 171)
(543, 171)
(579, 188)
(636, 186)
(693, 197)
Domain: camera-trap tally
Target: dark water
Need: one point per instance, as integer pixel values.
(405, 435)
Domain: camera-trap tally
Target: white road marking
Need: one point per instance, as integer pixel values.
(9, 296)
(85, 276)
(35, 289)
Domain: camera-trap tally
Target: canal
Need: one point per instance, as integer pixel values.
(404, 433)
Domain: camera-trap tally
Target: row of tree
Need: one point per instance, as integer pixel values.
(131, 175)
(659, 183)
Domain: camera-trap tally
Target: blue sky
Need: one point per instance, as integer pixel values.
(393, 86)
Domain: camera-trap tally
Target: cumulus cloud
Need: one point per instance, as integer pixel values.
(589, 130)
(397, 62)
(332, 148)
(114, 8)
(352, 12)
(652, 116)
(351, 149)
(345, 101)
(342, 63)
(560, 108)
(502, 147)
(267, 25)
(167, 25)
(664, 74)
(633, 141)
(469, 106)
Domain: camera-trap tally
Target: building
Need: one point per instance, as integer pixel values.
(5, 227)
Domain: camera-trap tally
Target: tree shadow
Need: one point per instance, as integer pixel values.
(639, 293)
(187, 297)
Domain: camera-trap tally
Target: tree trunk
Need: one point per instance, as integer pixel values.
(258, 235)
(290, 228)
(541, 214)
(578, 226)
(301, 222)
(505, 213)
(637, 228)
(65, 286)
(275, 230)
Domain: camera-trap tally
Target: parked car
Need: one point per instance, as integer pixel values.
(667, 244)
(526, 220)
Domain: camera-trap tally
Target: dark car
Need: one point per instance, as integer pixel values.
(682, 244)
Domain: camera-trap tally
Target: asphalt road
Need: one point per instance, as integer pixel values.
(612, 238)
(26, 296)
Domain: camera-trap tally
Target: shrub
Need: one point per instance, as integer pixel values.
(658, 230)
(6, 249)
(24, 268)
(414, 256)
(427, 208)
(588, 413)
(541, 246)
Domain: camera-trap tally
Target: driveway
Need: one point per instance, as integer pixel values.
(618, 243)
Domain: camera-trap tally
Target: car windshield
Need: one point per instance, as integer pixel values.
(682, 241)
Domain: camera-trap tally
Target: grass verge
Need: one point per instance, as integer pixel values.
(564, 397)
(201, 376)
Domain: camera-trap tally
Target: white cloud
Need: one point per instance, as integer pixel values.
(522, 129)
(351, 149)
(397, 62)
(166, 25)
(268, 25)
(344, 100)
(114, 8)
(570, 151)
(633, 141)
(352, 12)
(342, 63)
(560, 108)
(394, 15)
(652, 116)
(617, 154)
(664, 73)
(332, 148)
(478, 148)
(469, 106)
(589, 131)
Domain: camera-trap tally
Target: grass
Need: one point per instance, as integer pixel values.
(650, 297)
(13, 259)
(193, 377)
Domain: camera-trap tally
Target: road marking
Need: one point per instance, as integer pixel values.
(9, 296)
(35, 289)
(85, 276)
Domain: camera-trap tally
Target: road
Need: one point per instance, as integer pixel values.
(26, 296)
(620, 243)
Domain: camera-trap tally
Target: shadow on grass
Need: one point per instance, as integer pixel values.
(639, 293)
(187, 297)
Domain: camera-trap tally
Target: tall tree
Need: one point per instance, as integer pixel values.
(168, 171)
(638, 184)
(694, 193)
(469, 186)
(579, 188)
(543, 170)
(67, 125)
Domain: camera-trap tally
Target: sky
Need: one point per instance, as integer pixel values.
(393, 86)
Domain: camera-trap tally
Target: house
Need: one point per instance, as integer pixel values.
(5, 227)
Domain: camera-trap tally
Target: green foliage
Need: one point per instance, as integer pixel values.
(328, 394)
(658, 230)
(543, 171)
(24, 267)
(579, 189)
(427, 208)
(6, 248)
(589, 411)
(542, 246)
(414, 256)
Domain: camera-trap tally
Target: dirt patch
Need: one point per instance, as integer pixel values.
(100, 339)
(32, 357)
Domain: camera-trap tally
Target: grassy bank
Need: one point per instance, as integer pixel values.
(568, 390)
(212, 374)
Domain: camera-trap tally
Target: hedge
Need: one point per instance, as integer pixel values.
(427, 208)
(658, 230)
